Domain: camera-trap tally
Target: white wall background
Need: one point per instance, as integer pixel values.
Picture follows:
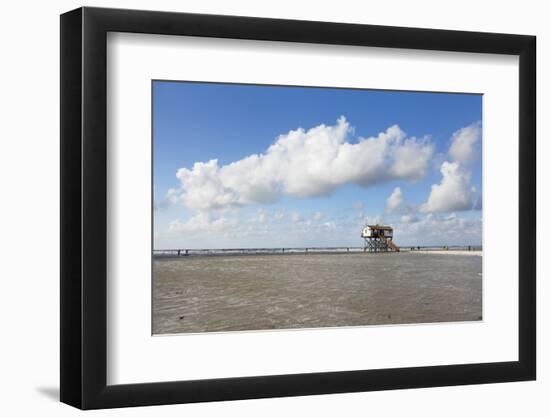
(29, 225)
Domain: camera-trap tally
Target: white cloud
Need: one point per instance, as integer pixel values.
(296, 218)
(262, 228)
(435, 229)
(463, 143)
(279, 215)
(172, 197)
(264, 216)
(411, 159)
(374, 220)
(306, 164)
(453, 193)
(408, 218)
(329, 225)
(202, 222)
(261, 216)
(394, 201)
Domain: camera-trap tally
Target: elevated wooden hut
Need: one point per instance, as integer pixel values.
(378, 239)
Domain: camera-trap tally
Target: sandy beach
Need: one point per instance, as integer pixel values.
(449, 252)
(262, 292)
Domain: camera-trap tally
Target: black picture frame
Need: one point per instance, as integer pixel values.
(84, 207)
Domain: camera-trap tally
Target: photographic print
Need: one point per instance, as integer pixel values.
(294, 207)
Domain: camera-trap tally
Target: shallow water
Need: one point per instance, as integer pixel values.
(226, 293)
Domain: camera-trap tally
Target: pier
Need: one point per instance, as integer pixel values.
(297, 251)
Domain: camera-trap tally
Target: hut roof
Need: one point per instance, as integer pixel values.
(377, 227)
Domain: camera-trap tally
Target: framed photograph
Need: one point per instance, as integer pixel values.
(258, 208)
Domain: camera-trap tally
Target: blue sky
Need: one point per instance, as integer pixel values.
(360, 156)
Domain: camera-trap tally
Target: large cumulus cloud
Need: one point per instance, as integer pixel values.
(305, 163)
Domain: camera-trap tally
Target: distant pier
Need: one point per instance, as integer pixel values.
(171, 253)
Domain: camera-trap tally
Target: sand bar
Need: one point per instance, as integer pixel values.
(262, 292)
(450, 252)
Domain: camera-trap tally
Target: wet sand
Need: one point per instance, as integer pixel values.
(449, 252)
(258, 292)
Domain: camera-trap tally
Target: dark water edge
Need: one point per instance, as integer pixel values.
(262, 292)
